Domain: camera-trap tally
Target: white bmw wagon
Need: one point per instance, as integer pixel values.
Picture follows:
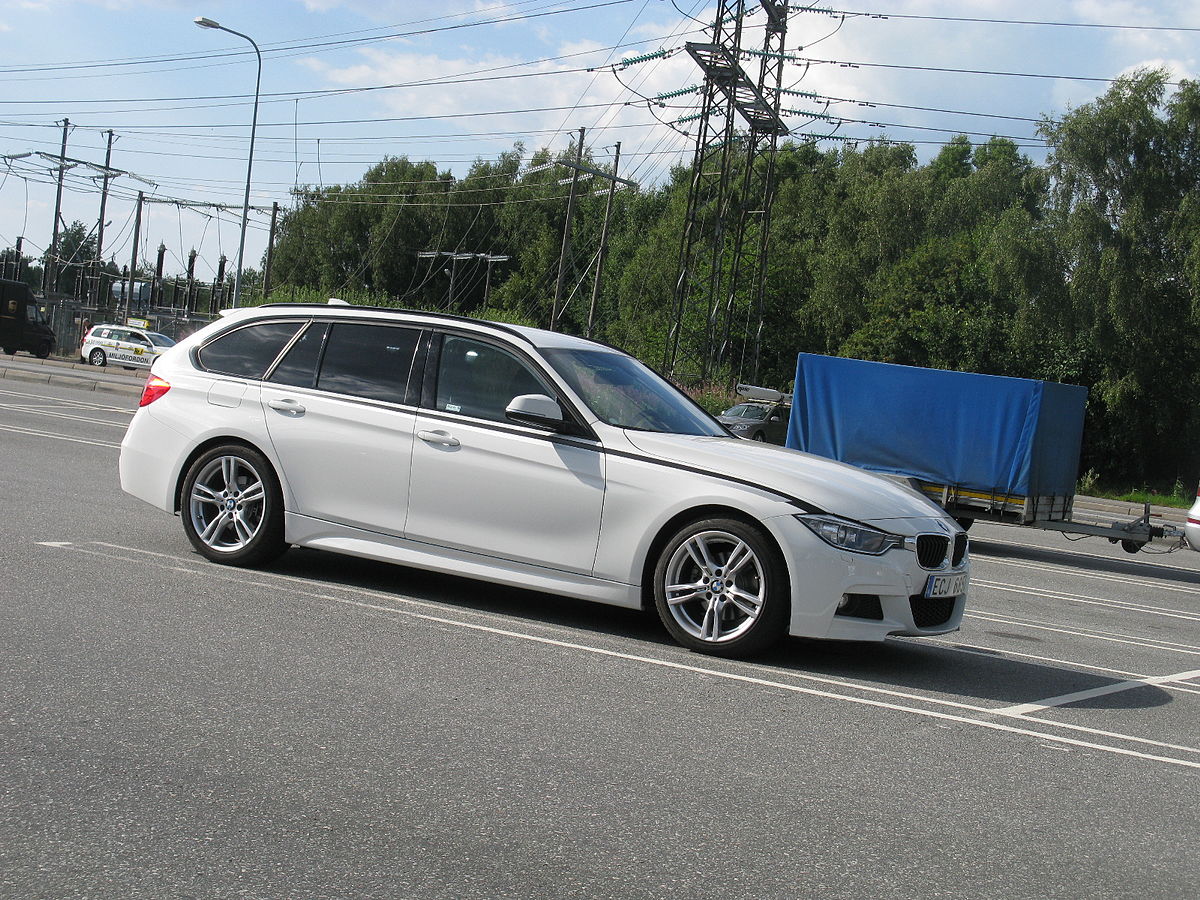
(526, 458)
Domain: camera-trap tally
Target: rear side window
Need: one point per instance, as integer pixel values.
(247, 352)
(299, 367)
(372, 361)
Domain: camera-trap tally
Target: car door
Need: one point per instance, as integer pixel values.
(340, 419)
(484, 484)
(139, 349)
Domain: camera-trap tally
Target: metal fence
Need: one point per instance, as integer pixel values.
(71, 319)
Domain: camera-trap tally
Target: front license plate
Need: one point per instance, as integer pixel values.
(946, 585)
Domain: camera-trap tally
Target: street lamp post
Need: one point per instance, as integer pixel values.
(237, 278)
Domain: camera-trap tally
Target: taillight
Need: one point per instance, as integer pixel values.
(155, 388)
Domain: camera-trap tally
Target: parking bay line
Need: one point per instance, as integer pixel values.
(1096, 635)
(81, 404)
(62, 415)
(172, 563)
(60, 437)
(1102, 691)
(1107, 577)
(1124, 605)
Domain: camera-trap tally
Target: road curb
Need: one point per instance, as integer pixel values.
(71, 381)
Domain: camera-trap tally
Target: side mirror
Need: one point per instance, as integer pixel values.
(537, 410)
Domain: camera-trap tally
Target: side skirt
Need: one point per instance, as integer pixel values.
(316, 534)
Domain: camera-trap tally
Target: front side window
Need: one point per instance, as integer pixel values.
(372, 361)
(247, 352)
(160, 340)
(480, 379)
(627, 394)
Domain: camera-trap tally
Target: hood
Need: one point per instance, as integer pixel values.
(835, 487)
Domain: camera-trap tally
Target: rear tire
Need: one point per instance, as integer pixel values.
(232, 507)
(720, 587)
(42, 351)
(97, 358)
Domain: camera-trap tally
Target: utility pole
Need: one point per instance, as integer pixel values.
(266, 288)
(219, 290)
(17, 262)
(51, 269)
(612, 189)
(555, 310)
(137, 232)
(487, 281)
(103, 204)
(190, 297)
(156, 292)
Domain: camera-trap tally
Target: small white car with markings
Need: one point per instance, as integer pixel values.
(122, 345)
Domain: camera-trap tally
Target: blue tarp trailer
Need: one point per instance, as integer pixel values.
(982, 446)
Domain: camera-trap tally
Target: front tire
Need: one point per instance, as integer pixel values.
(43, 351)
(720, 587)
(97, 358)
(232, 507)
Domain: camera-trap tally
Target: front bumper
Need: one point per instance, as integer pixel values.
(839, 595)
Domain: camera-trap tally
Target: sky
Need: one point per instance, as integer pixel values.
(347, 82)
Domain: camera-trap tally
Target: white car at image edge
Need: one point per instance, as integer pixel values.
(526, 458)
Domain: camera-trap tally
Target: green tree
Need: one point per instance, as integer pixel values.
(1126, 171)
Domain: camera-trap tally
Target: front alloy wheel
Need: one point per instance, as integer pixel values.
(233, 508)
(721, 588)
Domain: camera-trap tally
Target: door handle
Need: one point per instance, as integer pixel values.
(438, 437)
(292, 407)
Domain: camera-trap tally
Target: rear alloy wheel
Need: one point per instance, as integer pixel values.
(97, 357)
(721, 588)
(233, 507)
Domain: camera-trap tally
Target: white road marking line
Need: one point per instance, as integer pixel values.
(59, 437)
(63, 415)
(1127, 605)
(1102, 691)
(990, 653)
(1169, 646)
(82, 404)
(1107, 577)
(714, 673)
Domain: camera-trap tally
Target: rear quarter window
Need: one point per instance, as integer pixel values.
(247, 352)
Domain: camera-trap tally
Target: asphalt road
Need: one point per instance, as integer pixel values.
(332, 727)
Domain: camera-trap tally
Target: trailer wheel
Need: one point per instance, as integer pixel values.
(1131, 546)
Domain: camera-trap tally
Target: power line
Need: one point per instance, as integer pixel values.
(284, 48)
(983, 21)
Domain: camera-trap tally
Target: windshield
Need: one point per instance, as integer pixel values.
(159, 340)
(625, 393)
(746, 411)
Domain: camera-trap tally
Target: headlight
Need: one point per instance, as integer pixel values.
(847, 535)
